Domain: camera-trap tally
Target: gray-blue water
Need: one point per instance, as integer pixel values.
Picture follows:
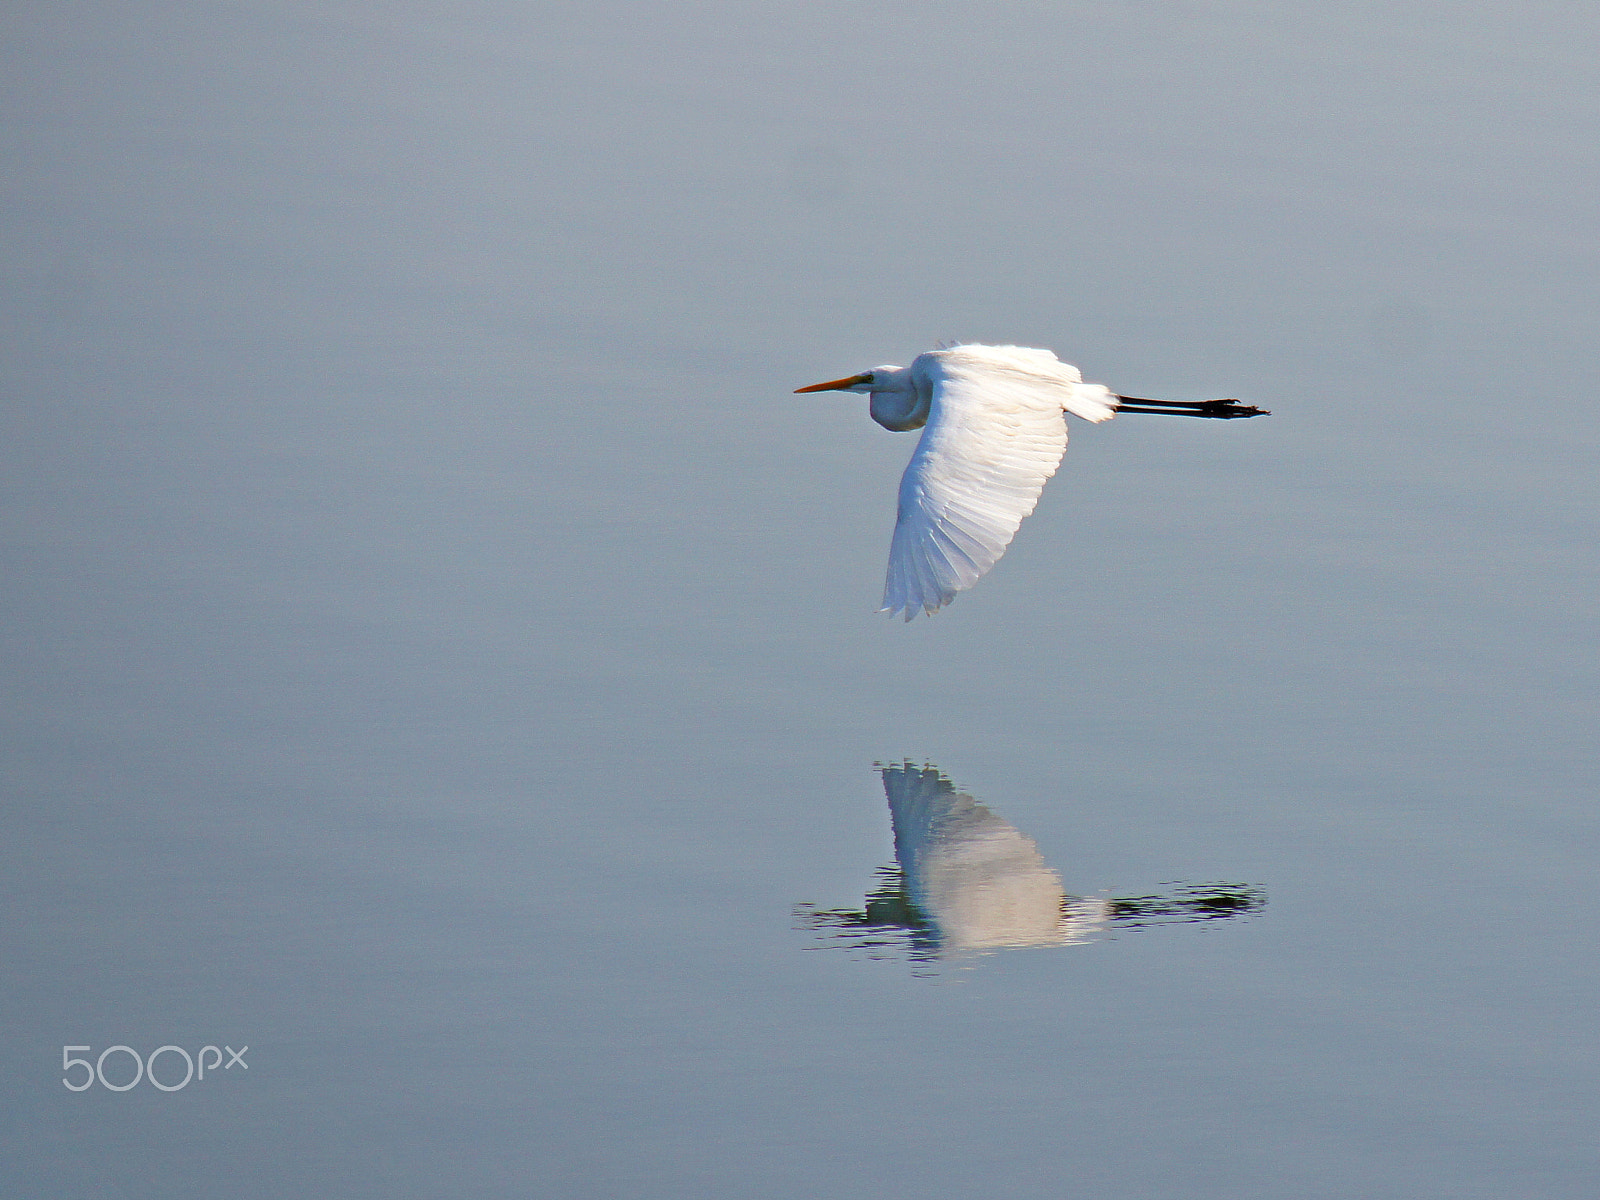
(440, 650)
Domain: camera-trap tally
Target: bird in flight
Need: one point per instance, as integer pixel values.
(993, 430)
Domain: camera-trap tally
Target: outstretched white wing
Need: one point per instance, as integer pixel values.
(995, 433)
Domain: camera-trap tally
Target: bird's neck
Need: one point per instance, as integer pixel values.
(901, 406)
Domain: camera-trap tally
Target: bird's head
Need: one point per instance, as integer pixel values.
(895, 405)
(879, 379)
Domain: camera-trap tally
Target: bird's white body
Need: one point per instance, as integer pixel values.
(993, 431)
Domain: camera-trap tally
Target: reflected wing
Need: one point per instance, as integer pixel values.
(995, 433)
(975, 879)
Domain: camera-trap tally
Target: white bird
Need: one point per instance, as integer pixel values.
(994, 429)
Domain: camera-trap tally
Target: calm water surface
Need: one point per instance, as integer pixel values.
(440, 649)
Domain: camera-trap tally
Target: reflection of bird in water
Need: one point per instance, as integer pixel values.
(993, 431)
(967, 881)
(974, 877)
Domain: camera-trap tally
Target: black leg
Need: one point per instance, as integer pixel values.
(1219, 409)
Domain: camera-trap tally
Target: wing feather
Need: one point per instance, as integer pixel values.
(995, 432)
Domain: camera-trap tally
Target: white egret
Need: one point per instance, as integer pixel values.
(994, 429)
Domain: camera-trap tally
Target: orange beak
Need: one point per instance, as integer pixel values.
(835, 385)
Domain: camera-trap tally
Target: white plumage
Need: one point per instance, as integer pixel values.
(993, 432)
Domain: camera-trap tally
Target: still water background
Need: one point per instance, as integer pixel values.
(441, 651)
